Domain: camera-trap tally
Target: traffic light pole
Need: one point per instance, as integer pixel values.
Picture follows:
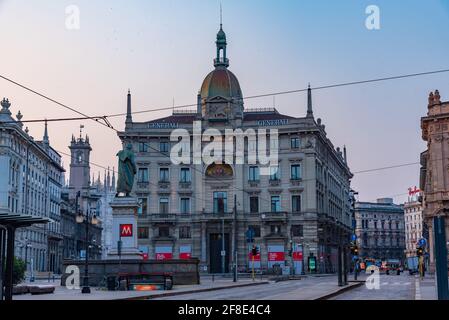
(234, 235)
(254, 278)
(339, 267)
(441, 258)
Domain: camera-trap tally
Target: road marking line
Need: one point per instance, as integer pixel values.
(417, 289)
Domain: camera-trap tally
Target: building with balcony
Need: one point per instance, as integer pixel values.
(380, 229)
(30, 183)
(205, 209)
(413, 225)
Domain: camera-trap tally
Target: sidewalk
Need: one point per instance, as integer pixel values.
(425, 289)
(62, 293)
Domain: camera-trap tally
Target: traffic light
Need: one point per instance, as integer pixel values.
(419, 251)
(354, 250)
(255, 251)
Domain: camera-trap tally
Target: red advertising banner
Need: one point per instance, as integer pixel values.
(256, 257)
(297, 256)
(185, 255)
(276, 256)
(126, 230)
(164, 256)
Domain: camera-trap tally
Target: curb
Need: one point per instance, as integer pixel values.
(170, 294)
(351, 285)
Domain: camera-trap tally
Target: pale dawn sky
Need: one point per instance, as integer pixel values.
(162, 50)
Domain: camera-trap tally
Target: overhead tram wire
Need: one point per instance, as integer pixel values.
(249, 97)
(244, 98)
(115, 171)
(344, 84)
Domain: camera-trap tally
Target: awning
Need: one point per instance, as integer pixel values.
(20, 221)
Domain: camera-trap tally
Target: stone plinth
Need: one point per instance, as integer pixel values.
(124, 229)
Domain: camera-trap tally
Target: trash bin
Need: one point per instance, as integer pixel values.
(111, 283)
(277, 270)
(168, 283)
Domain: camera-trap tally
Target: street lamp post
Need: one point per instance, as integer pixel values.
(223, 252)
(87, 219)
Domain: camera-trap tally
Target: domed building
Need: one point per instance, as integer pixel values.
(217, 210)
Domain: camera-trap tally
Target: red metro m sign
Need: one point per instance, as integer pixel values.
(126, 230)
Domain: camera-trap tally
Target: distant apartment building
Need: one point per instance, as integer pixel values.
(413, 225)
(380, 229)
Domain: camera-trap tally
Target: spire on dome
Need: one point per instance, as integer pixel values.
(221, 60)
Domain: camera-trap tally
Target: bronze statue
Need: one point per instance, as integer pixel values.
(126, 170)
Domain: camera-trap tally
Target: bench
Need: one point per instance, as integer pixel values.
(146, 281)
(41, 289)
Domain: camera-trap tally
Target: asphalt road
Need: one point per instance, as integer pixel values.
(305, 289)
(391, 287)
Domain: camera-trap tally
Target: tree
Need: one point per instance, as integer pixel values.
(18, 271)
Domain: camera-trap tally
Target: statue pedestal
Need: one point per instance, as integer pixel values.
(124, 229)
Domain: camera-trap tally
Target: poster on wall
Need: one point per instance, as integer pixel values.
(164, 252)
(276, 255)
(185, 252)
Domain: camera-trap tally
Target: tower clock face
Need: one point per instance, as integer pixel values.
(79, 157)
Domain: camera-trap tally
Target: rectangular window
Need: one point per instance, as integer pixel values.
(185, 175)
(164, 231)
(296, 203)
(253, 174)
(184, 233)
(143, 175)
(220, 202)
(185, 205)
(143, 206)
(163, 205)
(163, 146)
(254, 204)
(275, 204)
(294, 143)
(256, 230)
(295, 172)
(164, 175)
(297, 230)
(143, 147)
(142, 232)
(275, 229)
(274, 173)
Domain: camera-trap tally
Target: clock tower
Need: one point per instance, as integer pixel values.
(79, 164)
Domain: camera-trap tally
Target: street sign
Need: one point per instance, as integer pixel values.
(422, 242)
(250, 235)
(126, 230)
(223, 253)
(353, 237)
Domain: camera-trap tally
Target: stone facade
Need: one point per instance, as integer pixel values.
(187, 208)
(94, 197)
(30, 183)
(434, 179)
(413, 225)
(380, 229)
